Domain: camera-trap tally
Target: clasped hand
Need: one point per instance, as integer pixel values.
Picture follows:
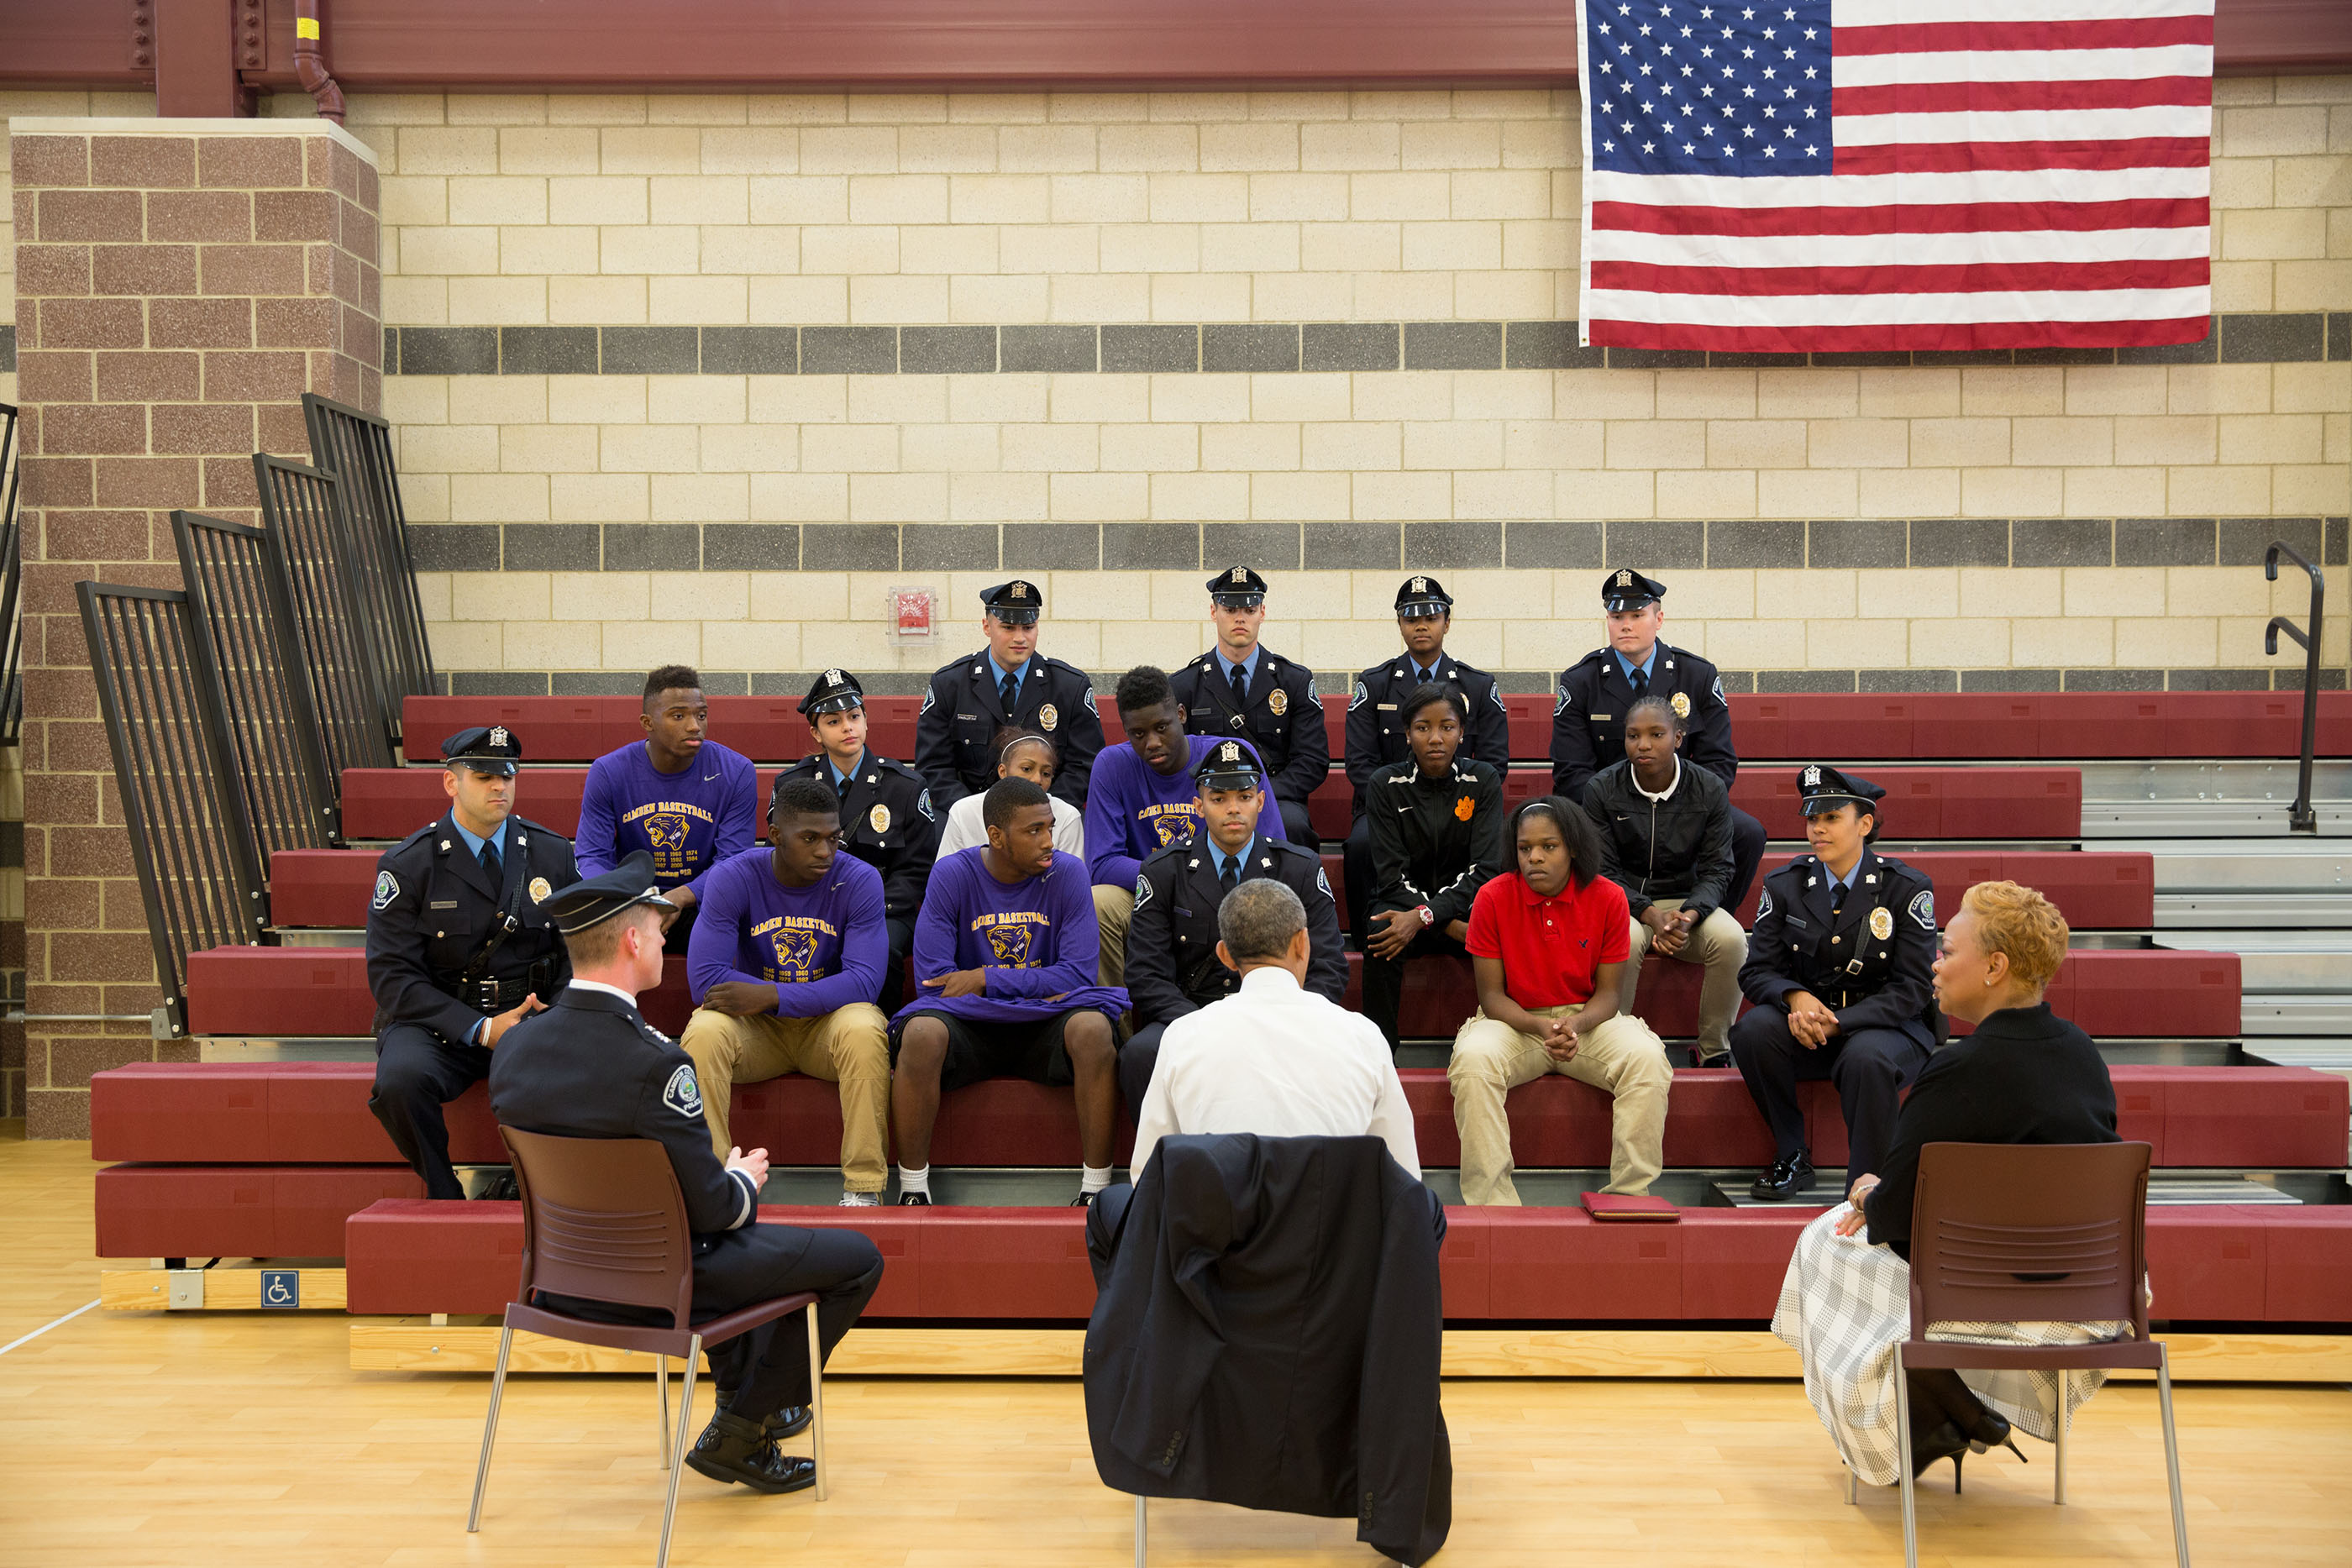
(1855, 1217)
(753, 1164)
(1808, 1022)
(1669, 932)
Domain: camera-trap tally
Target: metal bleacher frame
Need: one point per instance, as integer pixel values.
(355, 447)
(301, 512)
(12, 582)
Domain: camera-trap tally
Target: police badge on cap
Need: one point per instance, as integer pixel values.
(1821, 788)
(836, 691)
(1626, 589)
(483, 750)
(1013, 603)
(1229, 765)
(1239, 589)
(595, 900)
(1423, 596)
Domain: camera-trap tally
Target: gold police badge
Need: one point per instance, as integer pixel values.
(1681, 705)
(1047, 718)
(1277, 701)
(879, 819)
(539, 890)
(1882, 923)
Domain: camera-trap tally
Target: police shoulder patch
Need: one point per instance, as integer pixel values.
(1142, 890)
(683, 1095)
(923, 804)
(1322, 882)
(1922, 909)
(1559, 702)
(387, 888)
(1363, 695)
(1764, 904)
(1719, 700)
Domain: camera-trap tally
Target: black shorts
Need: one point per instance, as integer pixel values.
(978, 1050)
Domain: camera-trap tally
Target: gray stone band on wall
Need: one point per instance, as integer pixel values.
(2305, 337)
(1669, 544)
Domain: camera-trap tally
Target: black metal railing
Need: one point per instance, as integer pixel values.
(12, 586)
(189, 837)
(246, 641)
(2301, 818)
(306, 528)
(356, 447)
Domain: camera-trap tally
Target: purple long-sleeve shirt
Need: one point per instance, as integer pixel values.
(1134, 811)
(1035, 938)
(689, 821)
(822, 947)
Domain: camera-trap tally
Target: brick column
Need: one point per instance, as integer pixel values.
(180, 284)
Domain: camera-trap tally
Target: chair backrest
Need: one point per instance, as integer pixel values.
(602, 1219)
(2029, 1233)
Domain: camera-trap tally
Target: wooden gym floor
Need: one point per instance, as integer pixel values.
(246, 1441)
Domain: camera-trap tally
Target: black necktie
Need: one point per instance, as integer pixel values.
(1427, 676)
(490, 863)
(1230, 878)
(1240, 679)
(1641, 681)
(1008, 692)
(841, 787)
(1837, 899)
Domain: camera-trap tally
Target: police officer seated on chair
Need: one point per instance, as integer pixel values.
(1008, 682)
(590, 1066)
(679, 796)
(1588, 715)
(1242, 689)
(1840, 966)
(459, 947)
(886, 818)
(1173, 966)
(1376, 721)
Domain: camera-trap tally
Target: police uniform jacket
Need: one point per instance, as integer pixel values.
(434, 908)
(1587, 716)
(888, 821)
(1284, 719)
(1871, 966)
(1171, 946)
(1375, 719)
(962, 713)
(1436, 841)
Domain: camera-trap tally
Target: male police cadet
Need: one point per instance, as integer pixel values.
(1173, 966)
(886, 818)
(1240, 688)
(1587, 716)
(1841, 968)
(1376, 727)
(1008, 682)
(590, 1066)
(459, 947)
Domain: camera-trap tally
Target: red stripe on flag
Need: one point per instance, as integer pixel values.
(1952, 217)
(1930, 336)
(1937, 37)
(1948, 157)
(2012, 97)
(1954, 277)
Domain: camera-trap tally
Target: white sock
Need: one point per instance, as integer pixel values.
(1093, 1178)
(916, 1180)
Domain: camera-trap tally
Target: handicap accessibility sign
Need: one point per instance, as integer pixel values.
(281, 1288)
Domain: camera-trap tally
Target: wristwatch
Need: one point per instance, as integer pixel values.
(1426, 917)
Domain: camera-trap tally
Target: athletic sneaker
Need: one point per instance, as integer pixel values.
(861, 1201)
(914, 1200)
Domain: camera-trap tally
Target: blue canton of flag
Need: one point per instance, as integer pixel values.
(1674, 86)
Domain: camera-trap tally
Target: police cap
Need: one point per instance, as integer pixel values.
(1626, 589)
(1015, 603)
(1229, 765)
(1423, 596)
(1238, 589)
(836, 691)
(1821, 788)
(483, 749)
(594, 899)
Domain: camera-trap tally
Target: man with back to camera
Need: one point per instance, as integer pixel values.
(886, 816)
(1173, 968)
(784, 969)
(1142, 800)
(590, 1066)
(1242, 690)
(1376, 725)
(1587, 716)
(459, 947)
(679, 796)
(1005, 968)
(1009, 682)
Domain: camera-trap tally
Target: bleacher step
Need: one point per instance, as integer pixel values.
(2273, 962)
(2321, 1013)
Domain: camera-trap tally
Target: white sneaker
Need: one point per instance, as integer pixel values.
(861, 1201)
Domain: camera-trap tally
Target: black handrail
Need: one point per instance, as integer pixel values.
(2300, 817)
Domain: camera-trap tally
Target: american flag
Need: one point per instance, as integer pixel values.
(1890, 174)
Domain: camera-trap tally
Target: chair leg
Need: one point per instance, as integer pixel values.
(661, 1398)
(817, 1402)
(491, 1428)
(2171, 1457)
(1902, 1463)
(1139, 1529)
(677, 1448)
(1853, 1489)
(2058, 1485)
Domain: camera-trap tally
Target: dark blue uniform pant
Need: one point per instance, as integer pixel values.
(1356, 865)
(416, 1073)
(1869, 1066)
(894, 974)
(1384, 979)
(1747, 856)
(1135, 1060)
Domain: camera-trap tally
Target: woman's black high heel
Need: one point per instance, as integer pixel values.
(1990, 1429)
(1945, 1442)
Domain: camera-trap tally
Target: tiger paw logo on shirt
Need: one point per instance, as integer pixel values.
(1461, 810)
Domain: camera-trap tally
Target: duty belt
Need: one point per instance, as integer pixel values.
(491, 995)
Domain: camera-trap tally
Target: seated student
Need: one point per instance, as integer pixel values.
(887, 819)
(1838, 968)
(1174, 968)
(1548, 943)
(1139, 801)
(1665, 839)
(679, 796)
(1004, 958)
(1020, 753)
(1437, 837)
(784, 967)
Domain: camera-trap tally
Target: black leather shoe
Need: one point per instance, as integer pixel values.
(914, 1200)
(733, 1449)
(1083, 1200)
(1721, 1059)
(1946, 1442)
(789, 1421)
(502, 1189)
(1787, 1178)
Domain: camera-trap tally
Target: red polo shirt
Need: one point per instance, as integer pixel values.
(1551, 948)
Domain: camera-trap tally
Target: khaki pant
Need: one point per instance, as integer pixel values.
(1113, 912)
(849, 1046)
(1622, 1056)
(1716, 942)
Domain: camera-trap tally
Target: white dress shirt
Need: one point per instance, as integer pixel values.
(964, 829)
(1280, 1061)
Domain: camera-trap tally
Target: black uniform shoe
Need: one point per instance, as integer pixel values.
(914, 1200)
(1721, 1059)
(502, 1189)
(733, 1449)
(1083, 1200)
(1787, 1178)
(789, 1421)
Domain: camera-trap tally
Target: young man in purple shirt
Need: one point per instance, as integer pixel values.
(1004, 958)
(784, 965)
(682, 798)
(1142, 801)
